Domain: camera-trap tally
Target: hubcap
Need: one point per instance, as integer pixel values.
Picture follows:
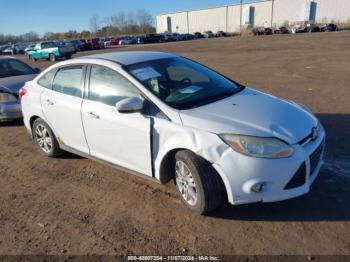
(43, 138)
(185, 183)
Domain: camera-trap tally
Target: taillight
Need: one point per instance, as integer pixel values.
(22, 93)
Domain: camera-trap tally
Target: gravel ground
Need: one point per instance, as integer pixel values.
(75, 206)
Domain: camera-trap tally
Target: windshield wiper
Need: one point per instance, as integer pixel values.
(213, 99)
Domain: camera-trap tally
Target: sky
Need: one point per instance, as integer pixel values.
(17, 17)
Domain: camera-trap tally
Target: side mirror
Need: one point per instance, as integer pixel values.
(37, 70)
(130, 105)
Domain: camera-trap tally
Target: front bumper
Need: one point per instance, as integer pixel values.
(240, 173)
(10, 111)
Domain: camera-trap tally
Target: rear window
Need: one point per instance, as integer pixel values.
(46, 80)
(14, 67)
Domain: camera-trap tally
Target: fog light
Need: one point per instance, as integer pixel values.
(258, 187)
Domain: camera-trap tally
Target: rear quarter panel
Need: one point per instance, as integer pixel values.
(31, 105)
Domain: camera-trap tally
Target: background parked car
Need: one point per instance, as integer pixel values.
(150, 38)
(94, 43)
(68, 45)
(29, 48)
(208, 34)
(220, 34)
(178, 37)
(13, 74)
(78, 45)
(261, 31)
(50, 51)
(189, 37)
(14, 49)
(309, 28)
(127, 41)
(168, 38)
(2, 48)
(329, 28)
(281, 30)
(198, 35)
(112, 42)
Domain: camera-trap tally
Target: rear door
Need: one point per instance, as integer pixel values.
(62, 106)
(121, 139)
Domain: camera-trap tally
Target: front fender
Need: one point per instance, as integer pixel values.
(168, 136)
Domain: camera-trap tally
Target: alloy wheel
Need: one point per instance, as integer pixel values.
(185, 183)
(43, 138)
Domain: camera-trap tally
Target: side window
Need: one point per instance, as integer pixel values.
(68, 81)
(46, 79)
(109, 87)
(48, 45)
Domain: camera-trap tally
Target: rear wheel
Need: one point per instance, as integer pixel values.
(45, 139)
(52, 58)
(199, 186)
(32, 58)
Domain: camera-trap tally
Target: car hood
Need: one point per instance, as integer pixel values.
(253, 113)
(14, 83)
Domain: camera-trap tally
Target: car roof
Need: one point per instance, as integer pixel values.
(131, 57)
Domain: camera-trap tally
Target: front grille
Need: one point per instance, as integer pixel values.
(315, 158)
(298, 179)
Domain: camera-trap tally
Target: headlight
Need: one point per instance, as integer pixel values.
(6, 97)
(258, 146)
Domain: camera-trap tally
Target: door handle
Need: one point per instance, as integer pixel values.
(49, 102)
(93, 115)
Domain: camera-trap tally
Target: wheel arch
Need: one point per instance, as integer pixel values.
(166, 173)
(31, 123)
(35, 117)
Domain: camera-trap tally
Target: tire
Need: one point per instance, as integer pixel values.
(199, 177)
(41, 131)
(52, 58)
(68, 57)
(32, 58)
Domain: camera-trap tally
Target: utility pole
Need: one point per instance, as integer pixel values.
(272, 11)
(226, 18)
(240, 19)
(188, 23)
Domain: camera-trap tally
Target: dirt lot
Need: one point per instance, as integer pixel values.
(76, 206)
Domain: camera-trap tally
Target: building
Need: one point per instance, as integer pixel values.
(272, 13)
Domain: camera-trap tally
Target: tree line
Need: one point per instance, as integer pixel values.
(121, 23)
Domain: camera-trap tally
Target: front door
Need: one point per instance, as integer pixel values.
(121, 139)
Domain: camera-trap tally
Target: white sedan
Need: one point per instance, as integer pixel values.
(166, 117)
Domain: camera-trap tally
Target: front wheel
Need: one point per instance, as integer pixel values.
(199, 186)
(45, 139)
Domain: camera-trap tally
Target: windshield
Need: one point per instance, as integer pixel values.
(13, 67)
(182, 83)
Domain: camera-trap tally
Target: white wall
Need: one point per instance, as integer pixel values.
(227, 18)
(288, 10)
(210, 19)
(337, 10)
(178, 23)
